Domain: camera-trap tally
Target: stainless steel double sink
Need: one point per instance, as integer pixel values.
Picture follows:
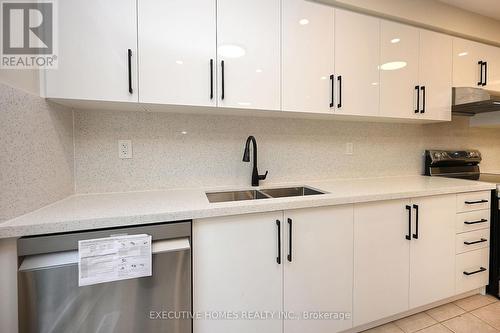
(281, 192)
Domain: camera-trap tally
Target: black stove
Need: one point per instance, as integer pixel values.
(464, 164)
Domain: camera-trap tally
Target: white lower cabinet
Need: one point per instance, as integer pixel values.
(381, 260)
(356, 264)
(318, 268)
(432, 250)
(404, 254)
(235, 270)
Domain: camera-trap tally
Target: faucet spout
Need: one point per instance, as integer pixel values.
(246, 158)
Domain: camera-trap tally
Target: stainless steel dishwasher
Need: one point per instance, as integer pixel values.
(50, 299)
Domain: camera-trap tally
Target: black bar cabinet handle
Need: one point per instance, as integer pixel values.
(482, 240)
(289, 256)
(475, 222)
(480, 63)
(222, 78)
(278, 258)
(417, 89)
(130, 90)
(415, 235)
(211, 78)
(339, 78)
(333, 91)
(485, 82)
(476, 202)
(423, 99)
(482, 269)
(408, 237)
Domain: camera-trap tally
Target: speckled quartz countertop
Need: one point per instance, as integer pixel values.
(93, 211)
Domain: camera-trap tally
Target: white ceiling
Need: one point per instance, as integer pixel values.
(489, 8)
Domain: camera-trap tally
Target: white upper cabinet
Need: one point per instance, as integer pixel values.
(177, 58)
(97, 57)
(248, 54)
(467, 68)
(235, 269)
(492, 68)
(381, 260)
(357, 50)
(435, 76)
(398, 70)
(432, 250)
(318, 267)
(307, 59)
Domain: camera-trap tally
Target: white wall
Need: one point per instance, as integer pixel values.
(431, 14)
(211, 152)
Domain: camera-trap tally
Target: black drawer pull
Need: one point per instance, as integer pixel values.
(476, 202)
(333, 91)
(415, 235)
(129, 65)
(480, 63)
(417, 89)
(408, 237)
(475, 222)
(278, 258)
(480, 270)
(339, 79)
(211, 78)
(289, 257)
(482, 240)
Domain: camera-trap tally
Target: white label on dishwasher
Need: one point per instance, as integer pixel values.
(113, 259)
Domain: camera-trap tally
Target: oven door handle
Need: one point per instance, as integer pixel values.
(68, 258)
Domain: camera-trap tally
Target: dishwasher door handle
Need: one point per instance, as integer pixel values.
(67, 258)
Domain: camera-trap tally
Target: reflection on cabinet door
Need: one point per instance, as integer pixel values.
(398, 70)
(177, 59)
(435, 76)
(432, 250)
(492, 68)
(248, 54)
(235, 269)
(318, 267)
(307, 32)
(381, 260)
(357, 50)
(97, 57)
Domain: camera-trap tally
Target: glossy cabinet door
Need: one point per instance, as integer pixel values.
(177, 59)
(235, 269)
(432, 250)
(307, 56)
(398, 69)
(466, 70)
(93, 57)
(318, 267)
(381, 260)
(492, 56)
(435, 76)
(248, 54)
(357, 50)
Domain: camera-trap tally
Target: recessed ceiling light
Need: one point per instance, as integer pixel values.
(394, 65)
(395, 40)
(304, 21)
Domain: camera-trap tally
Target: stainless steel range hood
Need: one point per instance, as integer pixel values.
(471, 101)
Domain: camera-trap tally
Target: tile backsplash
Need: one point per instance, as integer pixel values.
(189, 150)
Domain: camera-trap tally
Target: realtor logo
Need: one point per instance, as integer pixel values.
(28, 34)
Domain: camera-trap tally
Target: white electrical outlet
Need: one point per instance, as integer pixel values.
(124, 149)
(349, 148)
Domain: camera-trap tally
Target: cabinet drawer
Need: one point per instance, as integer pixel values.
(469, 241)
(467, 202)
(472, 270)
(475, 220)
